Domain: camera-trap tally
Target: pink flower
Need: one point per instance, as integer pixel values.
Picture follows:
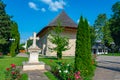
(13, 65)
(78, 72)
(13, 73)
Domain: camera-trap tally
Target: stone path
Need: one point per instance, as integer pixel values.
(36, 75)
(108, 68)
(22, 55)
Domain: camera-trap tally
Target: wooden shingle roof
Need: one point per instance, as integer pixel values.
(64, 19)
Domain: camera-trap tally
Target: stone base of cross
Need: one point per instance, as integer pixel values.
(33, 63)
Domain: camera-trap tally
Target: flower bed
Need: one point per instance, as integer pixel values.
(66, 72)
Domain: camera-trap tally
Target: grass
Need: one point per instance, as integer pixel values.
(112, 54)
(6, 61)
(54, 61)
(24, 77)
(50, 76)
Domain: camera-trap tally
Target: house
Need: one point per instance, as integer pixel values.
(70, 29)
(99, 48)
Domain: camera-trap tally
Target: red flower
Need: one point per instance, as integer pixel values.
(7, 69)
(13, 73)
(68, 78)
(13, 65)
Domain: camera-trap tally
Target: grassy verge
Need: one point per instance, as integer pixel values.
(50, 76)
(24, 77)
(112, 54)
(55, 61)
(6, 61)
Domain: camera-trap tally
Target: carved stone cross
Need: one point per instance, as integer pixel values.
(34, 40)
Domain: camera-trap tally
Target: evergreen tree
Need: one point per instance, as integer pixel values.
(4, 28)
(14, 35)
(61, 42)
(115, 24)
(83, 57)
(92, 35)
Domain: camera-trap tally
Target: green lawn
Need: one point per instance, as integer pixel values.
(112, 54)
(6, 61)
(50, 76)
(55, 61)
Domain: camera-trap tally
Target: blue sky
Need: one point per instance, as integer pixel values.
(32, 15)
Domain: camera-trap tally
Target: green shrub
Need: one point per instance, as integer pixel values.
(83, 58)
(13, 73)
(66, 72)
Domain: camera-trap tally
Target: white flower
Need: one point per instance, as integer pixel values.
(68, 64)
(66, 71)
(59, 71)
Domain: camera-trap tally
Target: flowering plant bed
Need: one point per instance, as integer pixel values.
(66, 71)
(12, 73)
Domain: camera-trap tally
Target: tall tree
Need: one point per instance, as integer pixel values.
(92, 35)
(83, 57)
(16, 36)
(99, 24)
(102, 30)
(61, 42)
(4, 28)
(107, 38)
(115, 24)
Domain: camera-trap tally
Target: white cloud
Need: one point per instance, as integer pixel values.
(54, 5)
(78, 21)
(33, 6)
(46, 1)
(43, 9)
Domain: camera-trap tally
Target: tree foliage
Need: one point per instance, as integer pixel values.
(14, 44)
(8, 29)
(102, 30)
(115, 23)
(83, 57)
(4, 28)
(61, 42)
(107, 38)
(92, 35)
(98, 25)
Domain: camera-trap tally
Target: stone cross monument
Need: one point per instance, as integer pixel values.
(33, 63)
(34, 38)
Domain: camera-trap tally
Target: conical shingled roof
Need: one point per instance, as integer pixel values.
(64, 19)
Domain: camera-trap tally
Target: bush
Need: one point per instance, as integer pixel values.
(12, 73)
(66, 72)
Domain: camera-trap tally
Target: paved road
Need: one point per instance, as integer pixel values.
(108, 68)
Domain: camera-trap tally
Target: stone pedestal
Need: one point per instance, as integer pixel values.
(33, 63)
(33, 66)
